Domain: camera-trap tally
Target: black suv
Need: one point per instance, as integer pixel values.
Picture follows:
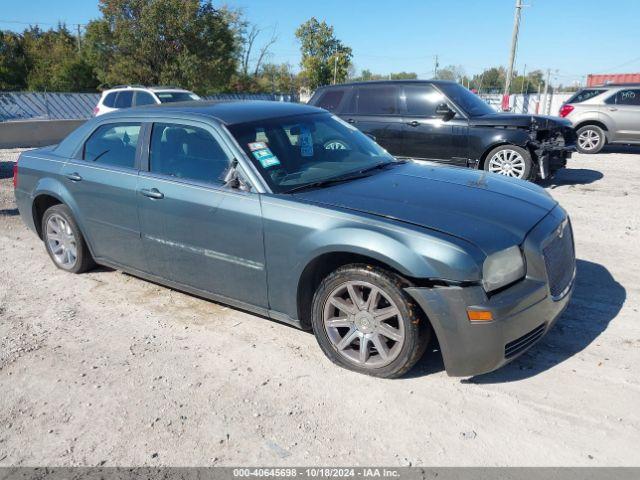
(444, 122)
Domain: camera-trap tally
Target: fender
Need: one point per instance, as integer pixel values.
(297, 235)
(423, 257)
(56, 189)
(498, 136)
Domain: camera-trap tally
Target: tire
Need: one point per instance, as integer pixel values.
(590, 139)
(341, 334)
(510, 161)
(64, 241)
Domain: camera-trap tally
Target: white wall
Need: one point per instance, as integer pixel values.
(532, 103)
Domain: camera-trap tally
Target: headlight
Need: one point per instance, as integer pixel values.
(502, 268)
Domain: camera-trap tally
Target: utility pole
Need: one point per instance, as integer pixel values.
(335, 69)
(546, 92)
(78, 35)
(514, 47)
(435, 66)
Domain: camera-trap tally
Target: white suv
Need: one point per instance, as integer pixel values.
(125, 96)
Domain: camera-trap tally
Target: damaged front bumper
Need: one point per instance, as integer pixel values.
(552, 148)
(521, 314)
(552, 158)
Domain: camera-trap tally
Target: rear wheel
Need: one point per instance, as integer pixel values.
(510, 161)
(365, 322)
(64, 242)
(591, 139)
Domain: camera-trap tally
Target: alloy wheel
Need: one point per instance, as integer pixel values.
(588, 139)
(507, 162)
(363, 324)
(335, 145)
(61, 241)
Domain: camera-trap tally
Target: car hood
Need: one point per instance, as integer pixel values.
(485, 209)
(542, 122)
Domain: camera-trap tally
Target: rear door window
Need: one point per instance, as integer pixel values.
(113, 144)
(144, 98)
(629, 96)
(378, 100)
(186, 152)
(124, 99)
(422, 100)
(330, 100)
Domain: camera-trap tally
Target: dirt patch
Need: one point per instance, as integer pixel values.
(104, 367)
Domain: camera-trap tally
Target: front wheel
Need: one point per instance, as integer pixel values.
(365, 322)
(591, 139)
(510, 161)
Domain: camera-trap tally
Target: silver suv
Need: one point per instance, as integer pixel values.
(601, 115)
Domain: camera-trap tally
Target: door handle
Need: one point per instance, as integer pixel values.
(612, 109)
(414, 123)
(74, 177)
(152, 193)
(351, 120)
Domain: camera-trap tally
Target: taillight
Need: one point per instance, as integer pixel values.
(565, 110)
(15, 175)
(95, 110)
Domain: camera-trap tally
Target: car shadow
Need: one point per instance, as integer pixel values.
(620, 149)
(572, 176)
(6, 169)
(430, 363)
(596, 301)
(9, 212)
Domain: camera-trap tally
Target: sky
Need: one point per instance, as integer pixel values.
(570, 37)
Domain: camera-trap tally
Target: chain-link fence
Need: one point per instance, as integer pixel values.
(46, 106)
(67, 106)
(528, 103)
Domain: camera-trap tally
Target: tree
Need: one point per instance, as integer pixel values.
(13, 62)
(278, 78)
(182, 42)
(451, 72)
(367, 76)
(404, 76)
(54, 63)
(490, 80)
(323, 55)
(248, 43)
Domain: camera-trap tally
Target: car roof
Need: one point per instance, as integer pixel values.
(391, 82)
(229, 112)
(142, 87)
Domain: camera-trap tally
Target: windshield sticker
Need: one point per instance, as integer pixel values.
(265, 157)
(306, 141)
(257, 146)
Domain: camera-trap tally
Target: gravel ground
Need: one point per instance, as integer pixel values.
(107, 369)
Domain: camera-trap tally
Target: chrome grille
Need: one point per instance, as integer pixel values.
(560, 260)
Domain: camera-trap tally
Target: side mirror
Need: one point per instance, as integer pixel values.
(443, 110)
(232, 178)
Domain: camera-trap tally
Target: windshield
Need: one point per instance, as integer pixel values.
(469, 102)
(306, 149)
(168, 97)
